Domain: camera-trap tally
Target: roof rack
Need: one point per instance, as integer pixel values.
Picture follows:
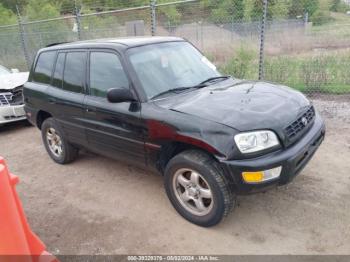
(53, 44)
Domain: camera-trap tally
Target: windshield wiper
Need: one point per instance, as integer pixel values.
(172, 90)
(179, 89)
(211, 79)
(200, 85)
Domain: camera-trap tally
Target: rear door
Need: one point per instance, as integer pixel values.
(35, 90)
(112, 129)
(67, 92)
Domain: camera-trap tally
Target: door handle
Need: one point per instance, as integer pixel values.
(90, 110)
(52, 100)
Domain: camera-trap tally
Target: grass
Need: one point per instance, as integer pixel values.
(322, 73)
(335, 89)
(317, 60)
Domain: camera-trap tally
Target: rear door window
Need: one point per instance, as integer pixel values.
(74, 72)
(43, 69)
(58, 74)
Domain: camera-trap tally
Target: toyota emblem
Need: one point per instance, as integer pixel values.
(304, 121)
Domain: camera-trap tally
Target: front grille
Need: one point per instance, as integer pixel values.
(17, 97)
(5, 99)
(14, 98)
(12, 117)
(302, 123)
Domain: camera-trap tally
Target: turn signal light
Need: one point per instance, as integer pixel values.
(253, 177)
(262, 176)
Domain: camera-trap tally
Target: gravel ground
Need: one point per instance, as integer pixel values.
(100, 206)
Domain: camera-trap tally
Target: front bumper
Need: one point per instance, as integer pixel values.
(292, 159)
(11, 114)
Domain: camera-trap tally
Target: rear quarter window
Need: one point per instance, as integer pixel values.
(43, 69)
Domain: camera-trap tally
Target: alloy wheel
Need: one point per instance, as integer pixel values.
(54, 142)
(193, 192)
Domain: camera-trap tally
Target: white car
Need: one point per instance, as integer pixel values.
(11, 98)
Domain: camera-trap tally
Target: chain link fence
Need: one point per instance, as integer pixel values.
(303, 44)
(313, 55)
(11, 50)
(38, 34)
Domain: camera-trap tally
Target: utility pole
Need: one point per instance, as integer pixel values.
(23, 40)
(77, 19)
(262, 41)
(153, 5)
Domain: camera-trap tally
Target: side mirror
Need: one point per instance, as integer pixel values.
(118, 95)
(14, 70)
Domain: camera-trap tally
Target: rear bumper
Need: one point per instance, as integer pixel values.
(292, 160)
(11, 114)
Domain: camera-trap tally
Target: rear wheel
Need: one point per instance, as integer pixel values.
(198, 189)
(56, 144)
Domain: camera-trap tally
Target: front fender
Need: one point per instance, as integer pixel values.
(212, 137)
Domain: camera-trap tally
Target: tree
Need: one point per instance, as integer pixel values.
(280, 9)
(41, 9)
(11, 4)
(225, 10)
(41, 34)
(256, 12)
(300, 7)
(6, 16)
(66, 6)
(338, 6)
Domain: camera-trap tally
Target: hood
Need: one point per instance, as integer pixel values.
(11, 81)
(241, 105)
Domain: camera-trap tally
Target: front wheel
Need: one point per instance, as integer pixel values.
(198, 189)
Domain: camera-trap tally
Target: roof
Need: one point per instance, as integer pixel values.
(137, 41)
(127, 42)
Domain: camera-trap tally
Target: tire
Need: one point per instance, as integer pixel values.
(60, 151)
(192, 200)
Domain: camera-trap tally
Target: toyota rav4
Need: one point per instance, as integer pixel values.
(158, 103)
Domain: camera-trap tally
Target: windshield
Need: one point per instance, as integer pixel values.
(4, 71)
(166, 66)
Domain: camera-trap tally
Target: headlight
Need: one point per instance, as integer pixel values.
(250, 142)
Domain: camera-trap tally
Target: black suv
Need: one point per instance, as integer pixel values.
(159, 103)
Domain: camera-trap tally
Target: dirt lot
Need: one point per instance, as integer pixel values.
(99, 206)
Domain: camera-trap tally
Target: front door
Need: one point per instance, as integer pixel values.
(112, 129)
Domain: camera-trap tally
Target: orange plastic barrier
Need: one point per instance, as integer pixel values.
(16, 237)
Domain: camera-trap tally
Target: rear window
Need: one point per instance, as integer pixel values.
(43, 68)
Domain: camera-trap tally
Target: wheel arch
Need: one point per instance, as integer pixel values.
(41, 117)
(173, 148)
